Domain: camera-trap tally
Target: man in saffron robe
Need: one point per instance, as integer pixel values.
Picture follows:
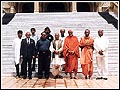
(86, 58)
(71, 54)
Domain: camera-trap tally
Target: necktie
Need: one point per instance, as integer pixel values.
(28, 41)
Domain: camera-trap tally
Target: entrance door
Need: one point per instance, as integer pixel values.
(83, 7)
(28, 7)
(55, 7)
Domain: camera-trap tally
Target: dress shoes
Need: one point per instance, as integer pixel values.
(24, 77)
(105, 78)
(99, 78)
(30, 77)
(47, 77)
(40, 77)
(17, 76)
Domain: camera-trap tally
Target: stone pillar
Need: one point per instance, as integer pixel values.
(74, 7)
(100, 7)
(36, 7)
(111, 6)
(12, 8)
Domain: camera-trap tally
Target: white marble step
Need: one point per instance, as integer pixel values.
(75, 21)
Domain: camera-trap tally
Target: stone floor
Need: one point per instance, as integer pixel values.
(11, 82)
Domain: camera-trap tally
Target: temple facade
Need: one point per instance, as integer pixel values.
(39, 7)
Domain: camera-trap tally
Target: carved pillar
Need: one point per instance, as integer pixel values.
(111, 6)
(100, 7)
(12, 8)
(36, 7)
(74, 7)
(6, 7)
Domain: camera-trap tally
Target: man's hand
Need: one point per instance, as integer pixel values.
(33, 57)
(21, 56)
(56, 52)
(71, 52)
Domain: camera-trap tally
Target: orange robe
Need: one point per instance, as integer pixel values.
(71, 44)
(86, 58)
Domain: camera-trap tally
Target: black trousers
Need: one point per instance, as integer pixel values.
(21, 74)
(24, 67)
(43, 64)
(17, 69)
(34, 61)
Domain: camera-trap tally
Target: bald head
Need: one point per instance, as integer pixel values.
(28, 34)
(87, 32)
(70, 32)
(56, 36)
(62, 30)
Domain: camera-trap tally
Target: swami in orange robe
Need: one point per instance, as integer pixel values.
(86, 58)
(71, 54)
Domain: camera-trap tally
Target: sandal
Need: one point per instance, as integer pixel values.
(70, 77)
(75, 78)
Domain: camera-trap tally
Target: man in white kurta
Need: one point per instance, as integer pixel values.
(57, 60)
(101, 47)
(16, 47)
(62, 37)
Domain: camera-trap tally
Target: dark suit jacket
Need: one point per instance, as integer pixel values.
(27, 50)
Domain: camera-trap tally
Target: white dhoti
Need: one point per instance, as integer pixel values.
(102, 66)
(56, 65)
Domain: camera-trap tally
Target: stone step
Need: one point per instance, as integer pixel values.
(75, 21)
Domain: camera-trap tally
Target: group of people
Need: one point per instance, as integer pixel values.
(62, 53)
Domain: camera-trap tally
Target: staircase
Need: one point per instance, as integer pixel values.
(78, 22)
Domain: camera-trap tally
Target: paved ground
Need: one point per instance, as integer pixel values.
(11, 82)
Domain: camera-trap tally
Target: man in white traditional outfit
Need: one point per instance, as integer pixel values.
(35, 37)
(62, 34)
(57, 58)
(62, 37)
(101, 47)
(16, 47)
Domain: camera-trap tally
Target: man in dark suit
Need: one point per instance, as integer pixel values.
(27, 52)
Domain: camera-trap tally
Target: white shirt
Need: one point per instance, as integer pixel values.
(35, 38)
(16, 47)
(101, 43)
